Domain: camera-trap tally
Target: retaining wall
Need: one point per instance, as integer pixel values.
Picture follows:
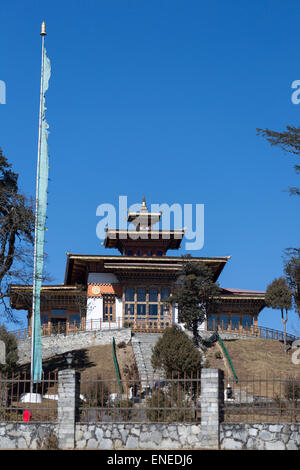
(60, 344)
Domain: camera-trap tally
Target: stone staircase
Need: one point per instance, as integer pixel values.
(142, 345)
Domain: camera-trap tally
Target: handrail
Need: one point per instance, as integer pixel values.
(116, 364)
(227, 356)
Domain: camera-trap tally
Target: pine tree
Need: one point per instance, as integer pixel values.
(196, 295)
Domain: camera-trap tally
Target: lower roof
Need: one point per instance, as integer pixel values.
(78, 266)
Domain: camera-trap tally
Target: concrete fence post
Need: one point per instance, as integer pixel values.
(67, 407)
(212, 401)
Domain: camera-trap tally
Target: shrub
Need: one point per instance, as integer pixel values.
(176, 352)
(292, 389)
(50, 442)
(170, 405)
(121, 410)
(96, 393)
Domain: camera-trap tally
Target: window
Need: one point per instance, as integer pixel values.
(153, 295)
(129, 309)
(129, 294)
(247, 322)
(109, 308)
(74, 319)
(147, 303)
(141, 301)
(141, 295)
(212, 322)
(164, 294)
(153, 310)
(224, 322)
(235, 322)
(141, 310)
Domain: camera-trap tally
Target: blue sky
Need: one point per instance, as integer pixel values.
(160, 98)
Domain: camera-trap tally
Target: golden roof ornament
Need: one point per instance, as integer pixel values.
(43, 29)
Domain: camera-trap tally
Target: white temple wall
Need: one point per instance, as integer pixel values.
(102, 278)
(94, 312)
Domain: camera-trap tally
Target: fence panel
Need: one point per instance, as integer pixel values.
(159, 400)
(17, 395)
(262, 399)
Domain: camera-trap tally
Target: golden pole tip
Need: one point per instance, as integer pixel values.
(43, 29)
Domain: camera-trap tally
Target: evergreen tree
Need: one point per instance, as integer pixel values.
(289, 141)
(176, 353)
(279, 296)
(196, 295)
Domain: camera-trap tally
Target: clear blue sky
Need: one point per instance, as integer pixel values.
(160, 98)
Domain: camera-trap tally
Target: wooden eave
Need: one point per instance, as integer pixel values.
(78, 266)
(21, 295)
(116, 238)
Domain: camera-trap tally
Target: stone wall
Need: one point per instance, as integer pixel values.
(24, 435)
(260, 436)
(137, 436)
(237, 436)
(60, 344)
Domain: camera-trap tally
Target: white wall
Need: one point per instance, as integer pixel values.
(102, 278)
(94, 312)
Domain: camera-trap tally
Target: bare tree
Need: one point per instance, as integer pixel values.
(16, 235)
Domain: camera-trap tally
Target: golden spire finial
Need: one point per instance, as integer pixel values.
(43, 29)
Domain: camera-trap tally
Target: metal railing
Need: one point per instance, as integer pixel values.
(145, 324)
(252, 330)
(17, 394)
(135, 323)
(159, 400)
(262, 399)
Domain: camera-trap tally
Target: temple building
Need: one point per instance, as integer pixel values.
(130, 289)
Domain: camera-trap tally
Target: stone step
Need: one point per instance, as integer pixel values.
(143, 344)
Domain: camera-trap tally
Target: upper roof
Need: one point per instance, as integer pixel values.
(143, 238)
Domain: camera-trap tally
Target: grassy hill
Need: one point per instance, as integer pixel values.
(251, 358)
(94, 363)
(254, 357)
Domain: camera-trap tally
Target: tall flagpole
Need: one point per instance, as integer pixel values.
(43, 34)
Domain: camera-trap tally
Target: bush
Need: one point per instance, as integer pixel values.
(292, 389)
(170, 405)
(96, 393)
(121, 410)
(176, 352)
(48, 443)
